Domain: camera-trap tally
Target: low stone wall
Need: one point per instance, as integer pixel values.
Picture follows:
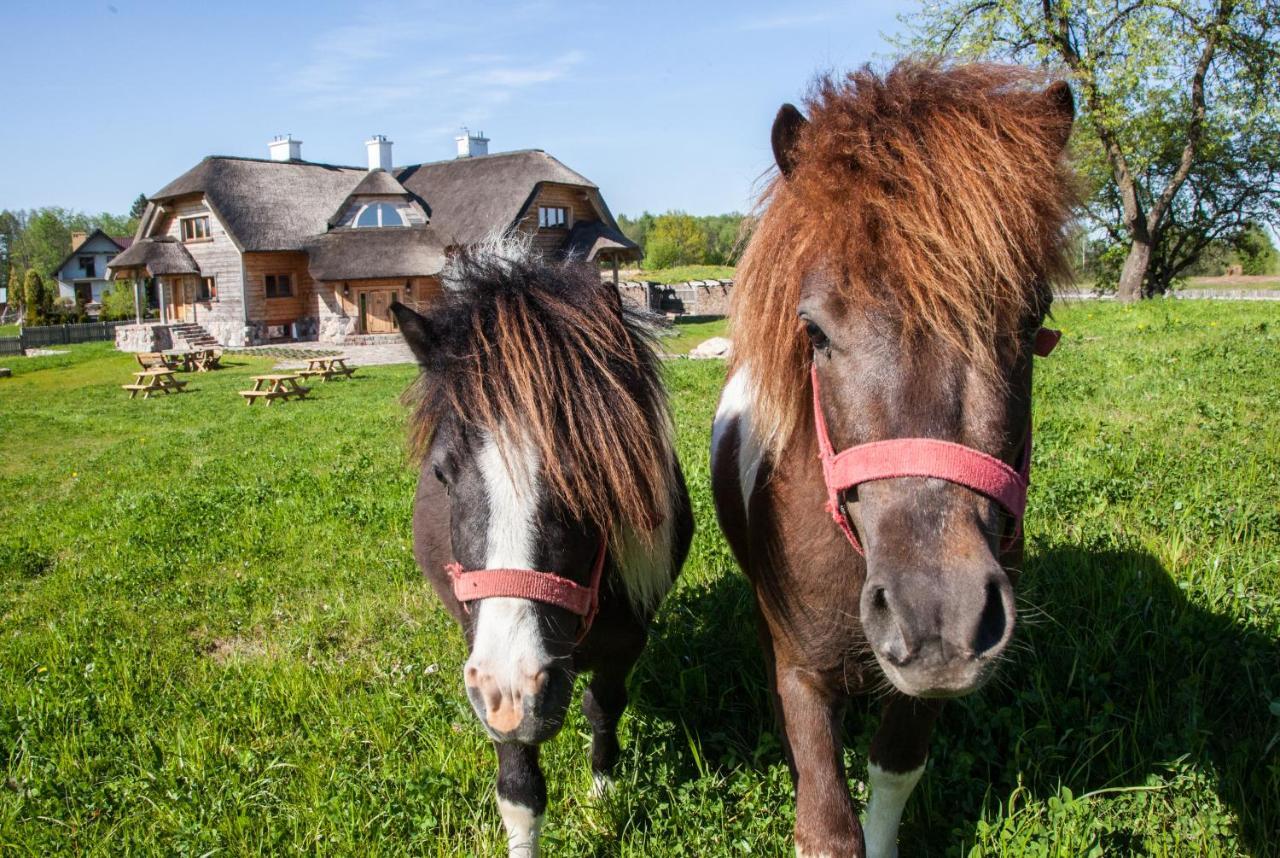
(154, 337)
(693, 298)
(335, 329)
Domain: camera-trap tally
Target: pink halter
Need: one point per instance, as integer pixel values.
(545, 587)
(924, 457)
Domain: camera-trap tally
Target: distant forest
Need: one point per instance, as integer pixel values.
(676, 238)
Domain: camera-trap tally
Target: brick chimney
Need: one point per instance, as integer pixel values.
(284, 148)
(77, 239)
(470, 145)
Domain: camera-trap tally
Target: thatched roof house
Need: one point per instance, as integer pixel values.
(257, 249)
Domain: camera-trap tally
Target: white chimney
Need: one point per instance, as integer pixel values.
(471, 145)
(285, 148)
(379, 152)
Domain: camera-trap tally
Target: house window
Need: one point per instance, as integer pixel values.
(208, 290)
(279, 285)
(552, 217)
(195, 228)
(378, 214)
(88, 267)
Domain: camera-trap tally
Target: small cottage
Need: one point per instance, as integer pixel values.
(254, 250)
(82, 276)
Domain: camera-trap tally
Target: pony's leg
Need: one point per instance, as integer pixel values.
(898, 752)
(602, 704)
(825, 821)
(522, 797)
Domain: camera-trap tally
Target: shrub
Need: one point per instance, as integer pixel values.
(117, 303)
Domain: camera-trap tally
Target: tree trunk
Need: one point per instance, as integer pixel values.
(1134, 271)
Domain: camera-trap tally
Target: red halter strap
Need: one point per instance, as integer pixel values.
(545, 587)
(924, 457)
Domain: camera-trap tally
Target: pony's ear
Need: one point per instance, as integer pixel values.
(417, 331)
(1063, 103)
(786, 130)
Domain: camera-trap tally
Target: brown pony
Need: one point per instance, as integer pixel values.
(548, 471)
(905, 257)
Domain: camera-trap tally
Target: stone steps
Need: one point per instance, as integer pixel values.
(191, 336)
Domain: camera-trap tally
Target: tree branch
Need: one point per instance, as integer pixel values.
(1195, 124)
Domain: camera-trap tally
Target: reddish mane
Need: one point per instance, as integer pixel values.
(939, 193)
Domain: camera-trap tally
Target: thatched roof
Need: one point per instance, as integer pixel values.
(365, 254)
(379, 182)
(158, 256)
(468, 198)
(589, 237)
(267, 205)
(283, 205)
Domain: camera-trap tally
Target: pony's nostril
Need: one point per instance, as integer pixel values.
(991, 625)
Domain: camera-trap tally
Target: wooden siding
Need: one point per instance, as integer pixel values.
(217, 257)
(278, 311)
(580, 207)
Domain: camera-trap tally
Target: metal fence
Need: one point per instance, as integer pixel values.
(58, 335)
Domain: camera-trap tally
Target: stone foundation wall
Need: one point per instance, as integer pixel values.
(143, 338)
(232, 333)
(694, 298)
(335, 329)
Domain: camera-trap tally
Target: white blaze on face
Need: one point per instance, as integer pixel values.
(508, 650)
(523, 828)
(889, 794)
(735, 404)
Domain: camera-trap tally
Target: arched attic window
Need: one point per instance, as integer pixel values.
(378, 214)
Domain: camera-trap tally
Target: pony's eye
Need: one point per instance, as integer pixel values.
(440, 475)
(816, 337)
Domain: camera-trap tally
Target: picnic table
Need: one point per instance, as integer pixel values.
(327, 368)
(199, 360)
(154, 380)
(275, 386)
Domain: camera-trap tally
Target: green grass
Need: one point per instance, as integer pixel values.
(1268, 283)
(214, 638)
(683, 273)
(683, 336)
(9, 330)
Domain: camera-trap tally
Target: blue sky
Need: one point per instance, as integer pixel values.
(664, 105)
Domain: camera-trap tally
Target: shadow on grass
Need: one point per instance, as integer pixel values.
(1117, 683)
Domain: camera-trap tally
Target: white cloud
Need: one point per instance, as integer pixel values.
(421, 61)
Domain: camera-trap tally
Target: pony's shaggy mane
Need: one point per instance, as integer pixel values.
(939, 194)
(542, 352)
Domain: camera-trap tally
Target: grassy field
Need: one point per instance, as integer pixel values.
(214, 638)
(9, 330)
(682, 273)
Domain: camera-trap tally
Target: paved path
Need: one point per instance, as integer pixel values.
(378, 355)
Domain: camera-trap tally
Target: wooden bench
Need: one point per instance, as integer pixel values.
(272, 387)
(154, 380)
(327, 367)
(207, 359)
(154, 360)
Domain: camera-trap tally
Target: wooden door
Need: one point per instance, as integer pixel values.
(377, 315)
(180, 300)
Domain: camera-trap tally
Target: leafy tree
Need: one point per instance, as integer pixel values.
(1179, 101)
(676, 239)
(139, 206)
(37, 299)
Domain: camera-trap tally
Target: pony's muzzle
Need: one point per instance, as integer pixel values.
(942, 640)
(523, 703)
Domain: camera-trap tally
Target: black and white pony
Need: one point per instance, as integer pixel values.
(551, 515)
